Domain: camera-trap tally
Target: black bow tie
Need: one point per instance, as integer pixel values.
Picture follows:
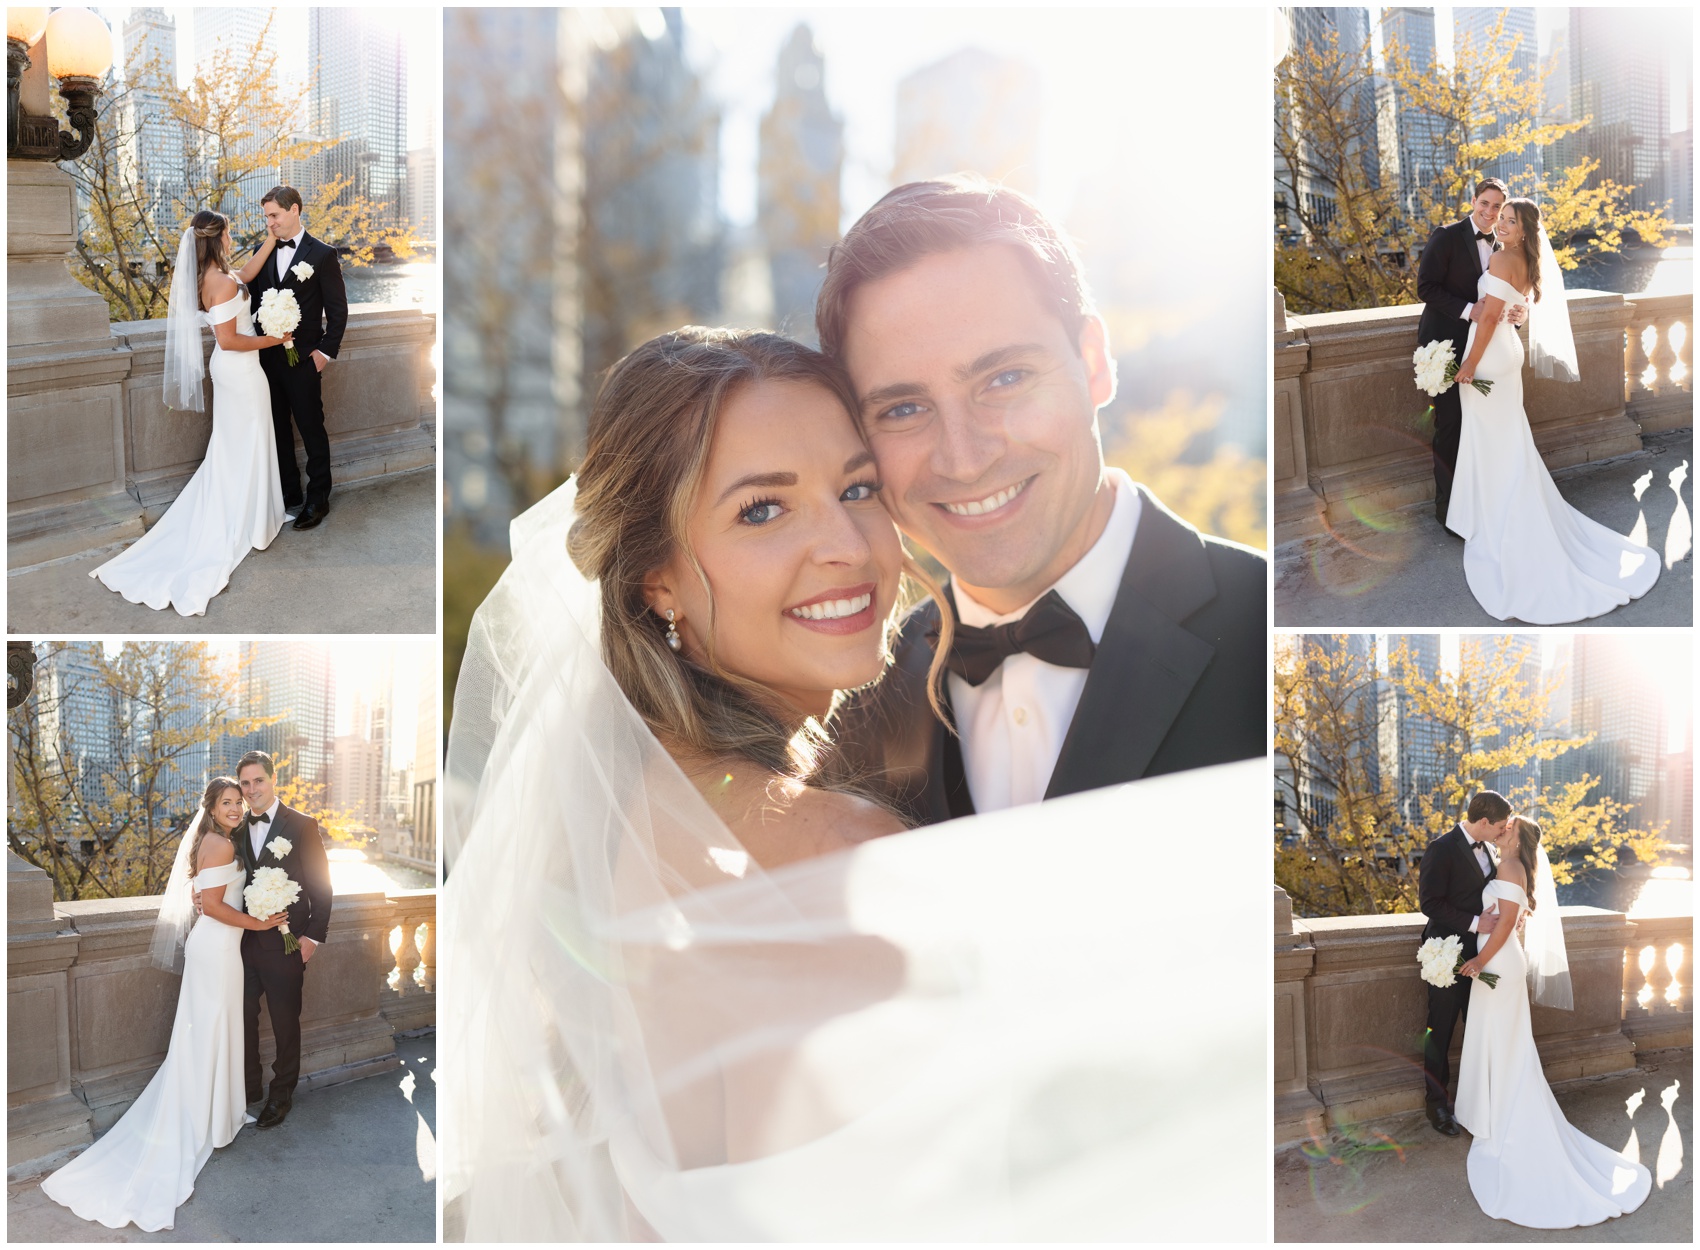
(1485, 238)
(263, 817)
(1476, 846)
(291, 243)
(1050, 632)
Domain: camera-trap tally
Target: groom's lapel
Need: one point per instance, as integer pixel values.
(1146, 663)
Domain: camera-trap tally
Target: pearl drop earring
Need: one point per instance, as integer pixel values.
(672, 631)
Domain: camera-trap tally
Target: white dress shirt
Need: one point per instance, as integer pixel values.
(287, 260)
(1014, 723)
(259, 834)
(1484, 253)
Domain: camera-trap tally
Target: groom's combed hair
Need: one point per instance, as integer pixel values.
(1491, 184)
(285, 198)
(921, 219)
(1488, 806)
(256, 757)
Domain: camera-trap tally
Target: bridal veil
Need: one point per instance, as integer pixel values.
(185, 366)
(1008, 1027)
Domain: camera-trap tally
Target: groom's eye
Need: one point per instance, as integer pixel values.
(1009, 377)
(905, 411)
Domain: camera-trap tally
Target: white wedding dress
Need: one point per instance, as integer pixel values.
(1527, 1164)
(1528, 555)
(144, 1168)
(234, 502)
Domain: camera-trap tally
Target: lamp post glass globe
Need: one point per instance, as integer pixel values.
(26, 25)
(79, 45)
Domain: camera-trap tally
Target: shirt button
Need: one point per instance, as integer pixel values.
(1020, 715)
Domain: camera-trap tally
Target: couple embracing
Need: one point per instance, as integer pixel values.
(248, 483)
(1528, 555)
(1488, 882)
(145, 1165)
(713, 663)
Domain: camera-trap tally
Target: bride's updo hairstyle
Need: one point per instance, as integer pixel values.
(1528, 841)
(1529, 217)
(650, 433)
(209, 228)
(206, 824)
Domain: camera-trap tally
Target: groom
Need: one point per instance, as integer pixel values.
(270, 971)
(1455, 868)
(1100, 637)
(309, 269)
(1453, 261)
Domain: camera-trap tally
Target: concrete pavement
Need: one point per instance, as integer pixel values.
(368, 568)
(1403, 570)
(1399, 1180)
(354, 1162)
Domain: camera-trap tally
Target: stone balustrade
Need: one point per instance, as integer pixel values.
(1347, 443)
(1350, 1010)
(89, 1018)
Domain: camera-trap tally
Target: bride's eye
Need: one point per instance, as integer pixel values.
(760, 512)
(860, 492)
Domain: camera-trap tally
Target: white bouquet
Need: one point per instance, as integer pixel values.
(1442, 957)
(279, 315)
(270, 892)
(302, 272)
(1437, 368)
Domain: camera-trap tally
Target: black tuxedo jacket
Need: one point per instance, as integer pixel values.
(1178, 681)
(323, 298)
(306, 864)
(1447, 275)
(1449, 887)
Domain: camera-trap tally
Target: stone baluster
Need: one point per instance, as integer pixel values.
(1635, 362)
(407, 952)
(1685, 354)
(428, 955)
(1658, 1000)
(1663, 356)
(410, 999)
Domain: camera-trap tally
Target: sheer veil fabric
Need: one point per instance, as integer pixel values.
(185, 366)
(963, 1032)
(176, 905)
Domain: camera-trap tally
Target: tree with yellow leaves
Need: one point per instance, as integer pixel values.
(109, 759)
(234, 133)
(1344, 237)
(1355, 835)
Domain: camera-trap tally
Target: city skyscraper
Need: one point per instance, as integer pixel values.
(1413, 149)
(156, 141)
(1313, 28)
(970, 111)
(1416, 751)
(1476, 25)
(1514, 778)
(235, 32)
(422, 184)
(357, 74)
(1620, 77)
(292, 680)
(801, 158)
(1615, 700)
(78, 717)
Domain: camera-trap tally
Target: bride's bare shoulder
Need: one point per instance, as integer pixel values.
(215, 849)
(1512, 870)
(217, 287)
(780, 820)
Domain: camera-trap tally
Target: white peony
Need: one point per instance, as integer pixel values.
(1432, 361)
(1440, 958)
(280, 847)
(270, 892)
(302, 272)
(279, 314)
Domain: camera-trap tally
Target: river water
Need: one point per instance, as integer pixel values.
(408, 283)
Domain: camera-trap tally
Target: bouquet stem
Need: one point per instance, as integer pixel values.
(291, 944)
(1452, 376)
(293, 356)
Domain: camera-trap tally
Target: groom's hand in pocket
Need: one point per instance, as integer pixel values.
(320, 360)
(308, 946)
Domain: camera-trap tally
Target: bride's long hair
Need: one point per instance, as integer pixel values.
(209, 228)
(1529, 217)
(1528, 842)
(650, 431)
(206, 824)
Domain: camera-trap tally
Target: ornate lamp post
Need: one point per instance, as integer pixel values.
(77, 48)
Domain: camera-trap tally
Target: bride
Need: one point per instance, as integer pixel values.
(1527, 1164)
(1528, 555)
(144, 1168)
(703, 997)
(234, 501)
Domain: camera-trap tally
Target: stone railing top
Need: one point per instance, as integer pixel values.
(1412, 312)
(1395, 922)
(356, 312)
